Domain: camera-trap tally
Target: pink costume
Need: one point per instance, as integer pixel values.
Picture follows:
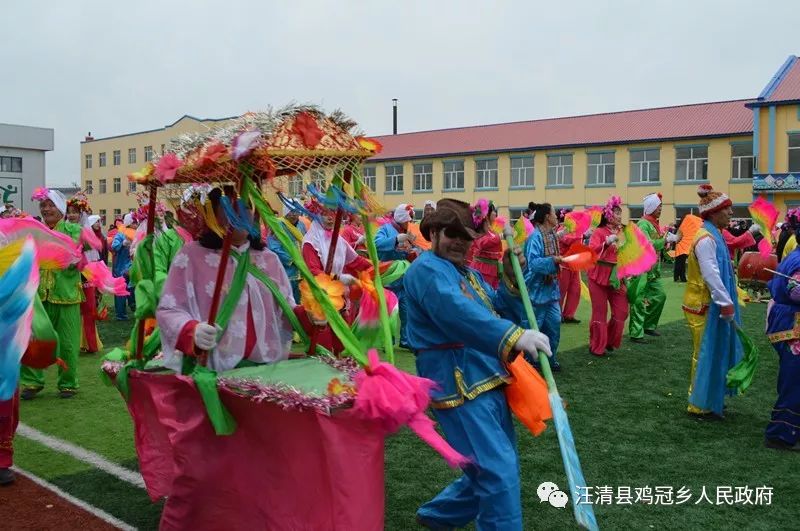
(569, 281)
(186, 300)
(485, 256)
(351, 234)
(602, 333)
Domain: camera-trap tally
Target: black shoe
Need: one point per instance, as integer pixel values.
(638, 340)
(652, 333)
(570, 320)
(429, 524)
(595, 354)
(555, 367)
(709, 415)
(609, 349)
(29, 393)
(7, 477)
(67, 393)
(777, 444)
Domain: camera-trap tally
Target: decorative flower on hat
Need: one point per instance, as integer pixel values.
(614, 201)
(244, 143)
(80, 202)
(211, 155)
(142, 176)
(479, 212)
(305, 126)
(40, 194)
(333, 289)
(167, 167)
(370, 144)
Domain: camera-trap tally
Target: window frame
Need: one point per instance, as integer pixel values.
(482, 174)
(11, 164)
(294, 185)
(87, 161)
(117, 157)
(101, 159)
(369, 174)
(601, 167)
(426, 175)
(450, 175)
(560, 170)
(102, 186)
(393, 179)
(737, 160)
(148, 153)
(790, 136)
(513, 176)
(132, 155)
(89, 187)
(691, 170)
(116, 185)
(131, 187)
(645, 163)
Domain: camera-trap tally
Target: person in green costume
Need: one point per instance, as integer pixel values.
(61, 293)
(646, 292)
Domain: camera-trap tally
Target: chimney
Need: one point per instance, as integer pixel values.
(88, 137)
(394, 116)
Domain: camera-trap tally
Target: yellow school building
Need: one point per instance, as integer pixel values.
(743, 147)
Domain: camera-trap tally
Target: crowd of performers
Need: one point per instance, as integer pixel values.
(459, 307)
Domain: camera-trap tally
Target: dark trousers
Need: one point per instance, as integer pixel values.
(679, 273)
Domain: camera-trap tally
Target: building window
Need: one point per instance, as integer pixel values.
(514, 213)
(117, 157)
(102, 186)
(117, 214)
(11, 164)
(485, 174)
(423, 177)
(742, 161)
(691, 163)
(295, 185)
(368, 174)
(101, 159)
(453, 175)
(89, 188)
(601, 168)
(522, 172)
(87, 162)
(394, 178)
(103, 217)
(131, 155)
(117, 185)
(148, 153)
(163, 146)
(794, 152)
(131, 186)
(559, 170)
(646, 166)
(635, 213)
(319, 180)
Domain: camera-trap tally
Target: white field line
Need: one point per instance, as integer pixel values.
(81, 454)
(99, 513)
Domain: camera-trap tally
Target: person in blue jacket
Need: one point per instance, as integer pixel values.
(120, 267)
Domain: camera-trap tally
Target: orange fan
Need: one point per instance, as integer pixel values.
(579, 257)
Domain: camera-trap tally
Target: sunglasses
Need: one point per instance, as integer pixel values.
(454, 234)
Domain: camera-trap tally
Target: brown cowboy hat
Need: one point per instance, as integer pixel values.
(450, 213)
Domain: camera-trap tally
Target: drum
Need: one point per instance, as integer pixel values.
(753, 265)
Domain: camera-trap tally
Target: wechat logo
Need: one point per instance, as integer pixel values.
(549, 492)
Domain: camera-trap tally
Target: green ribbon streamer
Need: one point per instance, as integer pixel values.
(352, 345)
(206, 382)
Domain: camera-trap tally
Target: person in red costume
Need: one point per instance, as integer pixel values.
(9, 418)
(486, 252)
(743, 241)
(353, 233)
(605, 289)
(569, 281)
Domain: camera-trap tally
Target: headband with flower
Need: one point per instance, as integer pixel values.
(614, 201)
(79, 202)
(480, 211)
(793, 216)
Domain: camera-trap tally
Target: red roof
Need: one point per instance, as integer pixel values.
(789, 86)
(685, 121)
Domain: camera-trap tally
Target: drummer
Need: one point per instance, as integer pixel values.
(257, 330)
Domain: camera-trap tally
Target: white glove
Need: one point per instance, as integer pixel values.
(611, 238)
(672, 237)
(532, 341)
(346, 279)
(205, 336)
(126, 242)
(411, 236)
(755, 228)
(402, 238)
(361, 239)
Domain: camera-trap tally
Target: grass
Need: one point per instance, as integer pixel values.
(627, 413)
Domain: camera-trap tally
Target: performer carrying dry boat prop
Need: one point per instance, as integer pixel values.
(229, 428)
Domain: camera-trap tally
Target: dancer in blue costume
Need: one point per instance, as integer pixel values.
(783, 431)
(710, 306)
(394, 242)
(461, 344)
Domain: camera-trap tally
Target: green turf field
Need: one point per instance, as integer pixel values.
(627, 414)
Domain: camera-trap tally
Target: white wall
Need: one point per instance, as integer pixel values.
(29, 143)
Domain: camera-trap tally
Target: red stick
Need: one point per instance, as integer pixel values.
(151, 222)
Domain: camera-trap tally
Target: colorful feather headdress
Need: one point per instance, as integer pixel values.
(636, 254)
(480, 210)
(80, 202)
(614, 201)
(765, 214)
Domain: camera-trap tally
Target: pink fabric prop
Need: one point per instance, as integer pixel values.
(167, 166)
(765, 247)
(393, 398)
(184, 234)
(90, 238)
(765, 214)
(636, 255)
(50, 244)
(577, 222)
(279, 470)
(369, 311)
(99, 275)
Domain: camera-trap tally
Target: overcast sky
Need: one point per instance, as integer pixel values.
(117, 67)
